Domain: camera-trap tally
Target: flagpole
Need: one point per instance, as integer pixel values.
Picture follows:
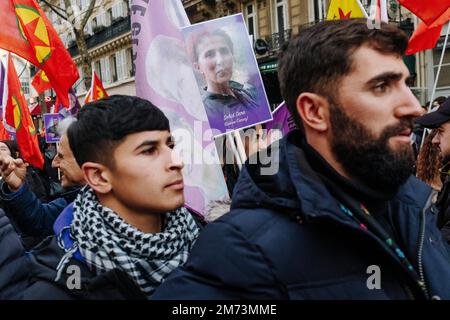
(436, 80)
(236, 155)
(240, 146)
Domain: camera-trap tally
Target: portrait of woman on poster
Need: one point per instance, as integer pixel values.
(225, 100)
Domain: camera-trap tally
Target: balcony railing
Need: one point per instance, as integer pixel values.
(116, 29)
(276, 40)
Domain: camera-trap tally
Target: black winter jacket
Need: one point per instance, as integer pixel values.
(31, 275)
(286, 237)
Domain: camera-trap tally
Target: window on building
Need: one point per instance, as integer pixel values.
(113, 66)
(98, 69)
(250, 14)
(94, 23)
(125, 8)
(118, 10)
(317, 10)
(130, 68)
(280, 15)
(109, 17)
(444, 76)
(25, 87)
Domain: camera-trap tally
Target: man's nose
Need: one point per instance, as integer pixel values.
(176, 162)
(55, 162)
(409, 106)
(435, 139)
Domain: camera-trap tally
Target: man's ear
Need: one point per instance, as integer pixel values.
(97, 176)
(314, 111)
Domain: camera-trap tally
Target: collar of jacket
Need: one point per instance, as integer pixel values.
(412, 193)
(295, 185)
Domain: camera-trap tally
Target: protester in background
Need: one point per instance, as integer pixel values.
(36, 179)
(338, 201)
(33, 217)
(440, 121)
(429, 162)
(128, 229)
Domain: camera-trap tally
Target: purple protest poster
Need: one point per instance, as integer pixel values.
(281, 124)
(51, 121)
(165, 77)
(227, 74)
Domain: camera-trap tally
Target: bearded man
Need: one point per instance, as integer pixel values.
(342, 218)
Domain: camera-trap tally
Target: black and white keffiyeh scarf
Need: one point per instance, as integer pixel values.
(106, 241)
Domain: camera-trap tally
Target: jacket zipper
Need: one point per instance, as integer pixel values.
(420, 248)
(422, 283)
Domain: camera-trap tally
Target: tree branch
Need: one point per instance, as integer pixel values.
(88, 13)
(59, 11)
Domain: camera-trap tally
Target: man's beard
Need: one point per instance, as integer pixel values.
(370, 160)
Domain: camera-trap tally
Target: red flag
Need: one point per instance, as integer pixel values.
(27, 32)
(424, 37)
(96, 91)
(4, 135)
(428, 11)
(18, 116)
(40, 82)
(88, 98)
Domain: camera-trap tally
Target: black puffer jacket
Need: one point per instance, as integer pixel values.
(287, 237)
(31, 275)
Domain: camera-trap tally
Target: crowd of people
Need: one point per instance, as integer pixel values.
(343, 200)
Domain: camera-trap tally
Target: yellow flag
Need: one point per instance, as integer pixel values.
(345, 9)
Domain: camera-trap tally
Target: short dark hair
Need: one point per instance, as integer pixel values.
(196, 37)
(315, 59)
(103, 124)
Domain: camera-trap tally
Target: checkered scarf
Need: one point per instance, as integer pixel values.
(107, 242)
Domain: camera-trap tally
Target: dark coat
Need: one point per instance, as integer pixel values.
(443, 207)
(286, 238)
(32, 218)
(31, 275)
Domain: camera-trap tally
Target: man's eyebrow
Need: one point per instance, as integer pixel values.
(148, 143)
(386, 77)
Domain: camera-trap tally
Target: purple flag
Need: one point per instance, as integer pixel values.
(165, 77)
(282, 121)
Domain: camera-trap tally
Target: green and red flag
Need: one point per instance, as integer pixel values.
(27, 32)
(4, 135)
(96, 91)
(18, 117)
(40, 82)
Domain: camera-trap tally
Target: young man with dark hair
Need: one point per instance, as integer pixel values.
(127, 229)
(342, 218)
